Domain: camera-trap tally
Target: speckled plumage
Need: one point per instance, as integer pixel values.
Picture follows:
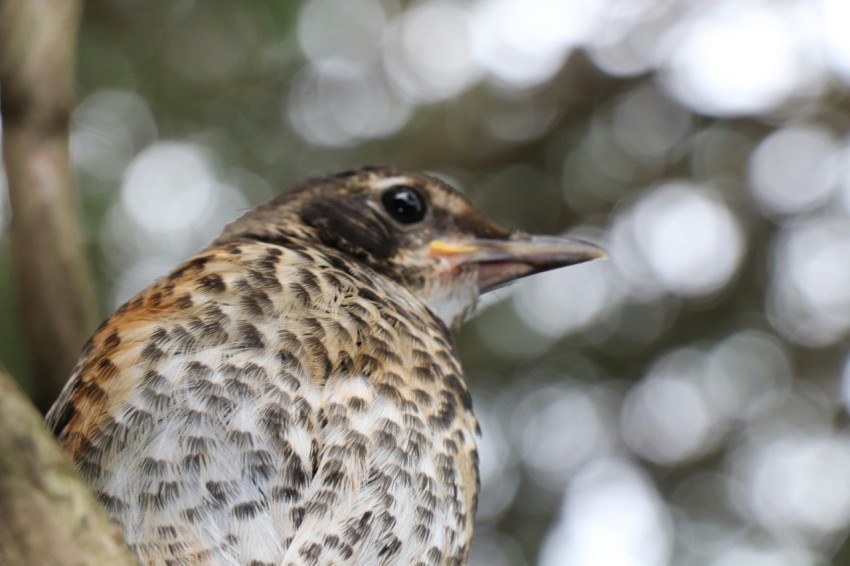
(289, 395)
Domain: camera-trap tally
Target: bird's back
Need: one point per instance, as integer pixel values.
(276, 404)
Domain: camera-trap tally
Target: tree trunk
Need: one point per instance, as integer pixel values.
(37, 39)
(48, 516)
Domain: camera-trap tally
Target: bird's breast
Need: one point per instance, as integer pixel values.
(262, 403)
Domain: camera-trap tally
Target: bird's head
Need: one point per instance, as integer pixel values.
(412, 228)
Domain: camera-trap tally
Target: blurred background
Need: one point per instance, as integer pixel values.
(683, 403)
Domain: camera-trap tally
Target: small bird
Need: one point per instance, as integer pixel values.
(292, 394)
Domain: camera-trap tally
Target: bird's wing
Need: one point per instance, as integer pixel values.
(189, 416)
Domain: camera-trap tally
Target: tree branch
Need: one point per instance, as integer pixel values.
(53, 281)
(49, 515)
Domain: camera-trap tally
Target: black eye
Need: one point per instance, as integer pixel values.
(405, 204)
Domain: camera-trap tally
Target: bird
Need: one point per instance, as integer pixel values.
(292, 394)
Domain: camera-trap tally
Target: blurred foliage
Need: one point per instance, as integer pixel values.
(683, 403)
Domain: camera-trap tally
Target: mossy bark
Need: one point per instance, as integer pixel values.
(48, 516)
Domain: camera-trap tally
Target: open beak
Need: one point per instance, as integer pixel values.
(502, 261)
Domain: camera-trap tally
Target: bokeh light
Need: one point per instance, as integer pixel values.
(795, 169)
(430, 56)
(168, 187)
(342, 111)
(745, 374)
(764, 555)
(563, 301)
(558, 429)
(649, 125)
(108, 128)
(524, 43)
(342, 39)
(611, 515)
(809, 299)
(799, 484)
(500, 474)
(831, 15)
(172, 204)
(740, 57)
(666, 418)
(678, 237)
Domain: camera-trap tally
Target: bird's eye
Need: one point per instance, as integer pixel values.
(405, 204)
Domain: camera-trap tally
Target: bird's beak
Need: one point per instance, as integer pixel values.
(502, 261)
